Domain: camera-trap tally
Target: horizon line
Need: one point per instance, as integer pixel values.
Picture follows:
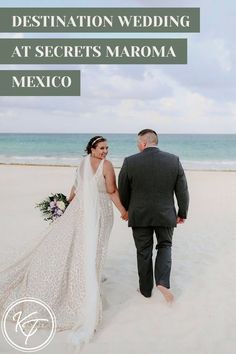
(133, 133)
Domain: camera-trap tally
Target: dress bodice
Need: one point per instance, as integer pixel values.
(98, 175)
(100, 178)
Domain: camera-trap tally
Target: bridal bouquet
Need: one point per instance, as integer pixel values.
(53, 206)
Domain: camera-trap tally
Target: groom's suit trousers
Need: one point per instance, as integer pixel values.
(143, 238)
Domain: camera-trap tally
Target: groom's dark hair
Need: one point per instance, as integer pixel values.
(148, 131)
(145, 131)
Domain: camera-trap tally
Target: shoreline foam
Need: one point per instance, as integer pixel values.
(116, 167)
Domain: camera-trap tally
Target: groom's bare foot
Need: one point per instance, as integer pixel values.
(169, 297)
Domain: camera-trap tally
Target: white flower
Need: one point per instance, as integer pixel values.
(61, 205)
(52, 204)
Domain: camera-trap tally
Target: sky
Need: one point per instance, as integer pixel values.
(195, 98)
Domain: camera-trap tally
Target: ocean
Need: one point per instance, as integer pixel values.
(196, 151)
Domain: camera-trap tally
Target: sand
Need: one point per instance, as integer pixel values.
(203, 318)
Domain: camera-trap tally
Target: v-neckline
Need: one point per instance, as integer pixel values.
(95, 172)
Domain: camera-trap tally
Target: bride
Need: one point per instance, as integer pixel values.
(64, 268)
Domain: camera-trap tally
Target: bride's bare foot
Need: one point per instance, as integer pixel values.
(169, 297)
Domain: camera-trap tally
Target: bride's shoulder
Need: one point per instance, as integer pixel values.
(108, 165)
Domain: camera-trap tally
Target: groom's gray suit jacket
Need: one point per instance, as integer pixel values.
(148, 182)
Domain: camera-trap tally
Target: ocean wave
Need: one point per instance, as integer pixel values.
(223, 165)
(40, 160)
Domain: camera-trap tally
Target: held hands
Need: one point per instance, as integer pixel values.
(124, 215)
(180, 220)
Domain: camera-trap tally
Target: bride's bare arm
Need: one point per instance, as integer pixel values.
(73, 189)
(112, 190)
(72, 194)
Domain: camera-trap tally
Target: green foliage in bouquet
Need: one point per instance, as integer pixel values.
(53, 206)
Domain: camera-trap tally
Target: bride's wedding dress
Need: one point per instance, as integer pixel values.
(64, 268)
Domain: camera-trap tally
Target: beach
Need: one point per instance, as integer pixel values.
(203, 317)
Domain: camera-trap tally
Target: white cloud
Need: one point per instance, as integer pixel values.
(222, 54)
(198, 97)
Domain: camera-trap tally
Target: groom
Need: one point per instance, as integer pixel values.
(148, 182)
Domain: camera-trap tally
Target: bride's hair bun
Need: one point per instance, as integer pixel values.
(93, 143)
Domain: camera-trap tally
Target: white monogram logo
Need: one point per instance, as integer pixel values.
(26, 325)
(21, 323)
